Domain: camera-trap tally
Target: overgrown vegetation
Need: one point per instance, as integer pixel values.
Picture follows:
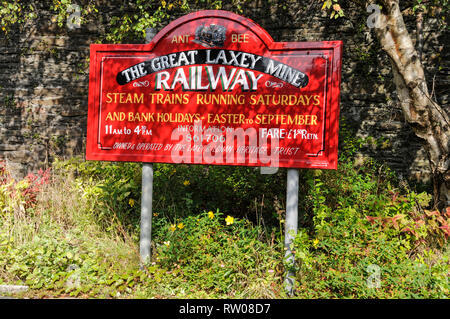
(128, 23)
(217, 231)
(363, 234)
(368, 238)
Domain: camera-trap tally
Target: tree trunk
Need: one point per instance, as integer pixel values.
(428, 120)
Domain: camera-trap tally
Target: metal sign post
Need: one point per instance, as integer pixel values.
(146, 213)
(145, 239)
(291, 225)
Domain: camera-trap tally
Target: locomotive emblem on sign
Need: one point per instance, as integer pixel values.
(210, 36)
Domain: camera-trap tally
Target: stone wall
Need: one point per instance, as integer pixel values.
(44, 82)
(43, 93)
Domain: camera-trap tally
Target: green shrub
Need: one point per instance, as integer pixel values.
(365, 238)
(220, 255)
(112, 190)
(178, 190)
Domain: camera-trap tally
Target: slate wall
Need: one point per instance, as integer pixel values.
(44, 82)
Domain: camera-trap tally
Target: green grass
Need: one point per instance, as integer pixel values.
(74, 232)
(67, 242)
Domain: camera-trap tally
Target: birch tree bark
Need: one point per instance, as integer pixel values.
(426, 117)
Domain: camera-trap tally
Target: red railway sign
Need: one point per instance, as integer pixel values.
(214, 88)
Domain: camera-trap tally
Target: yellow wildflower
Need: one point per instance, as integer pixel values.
(173, 227)
(186, 183)
(210, 214)
(229, 220)
(315, 242)
(180, 226)
(131, 202)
